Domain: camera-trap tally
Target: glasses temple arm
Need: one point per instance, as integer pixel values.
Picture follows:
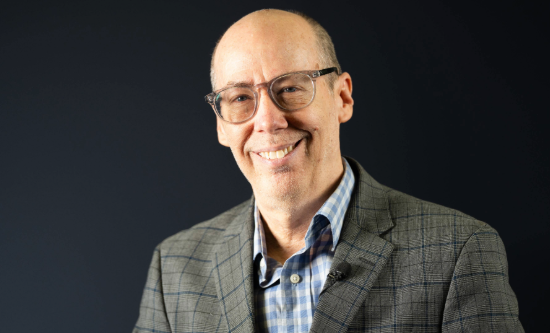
(325, 71)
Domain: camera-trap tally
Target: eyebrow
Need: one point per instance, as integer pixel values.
(239, 83)
(250, 82)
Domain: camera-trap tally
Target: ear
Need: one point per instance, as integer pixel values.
(342, 92)
(222, 137)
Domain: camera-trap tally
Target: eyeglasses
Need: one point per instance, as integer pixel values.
(290, 92)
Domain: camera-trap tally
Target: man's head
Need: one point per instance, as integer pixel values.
(257, 48)
(325, 47)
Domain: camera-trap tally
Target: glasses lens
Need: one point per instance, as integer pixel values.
(293, 91)
(235, 104)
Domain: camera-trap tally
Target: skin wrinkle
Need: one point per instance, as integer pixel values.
(257, 48)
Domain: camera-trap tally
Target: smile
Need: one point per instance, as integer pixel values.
(273, 155)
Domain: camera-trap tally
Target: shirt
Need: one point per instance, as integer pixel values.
(286, 295)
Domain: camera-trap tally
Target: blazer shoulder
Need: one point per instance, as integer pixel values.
(406, 209)
(212, 230)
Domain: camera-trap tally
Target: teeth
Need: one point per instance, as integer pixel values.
(271, 155)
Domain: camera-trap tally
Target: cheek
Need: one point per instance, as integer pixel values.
(325, 119)
(237, 139)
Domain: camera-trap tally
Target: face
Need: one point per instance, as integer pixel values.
(284, 155)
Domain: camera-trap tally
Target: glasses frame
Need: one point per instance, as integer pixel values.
(313, 75)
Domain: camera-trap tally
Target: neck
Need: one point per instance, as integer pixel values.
(286, 220)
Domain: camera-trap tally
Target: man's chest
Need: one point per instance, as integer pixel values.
(399, 299)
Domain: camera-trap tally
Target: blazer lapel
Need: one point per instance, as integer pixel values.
(360, 245)
(233, 272)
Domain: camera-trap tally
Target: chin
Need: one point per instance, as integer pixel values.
(282, 185)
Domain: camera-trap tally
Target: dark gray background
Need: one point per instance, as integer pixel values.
(107, 147)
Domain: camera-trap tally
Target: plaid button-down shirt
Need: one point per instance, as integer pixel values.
(283, 305)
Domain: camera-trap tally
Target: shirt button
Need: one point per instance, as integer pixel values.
(295, 278)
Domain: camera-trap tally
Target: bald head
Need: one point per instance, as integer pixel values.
(284, 31)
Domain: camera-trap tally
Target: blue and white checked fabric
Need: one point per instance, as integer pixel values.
(283, 306)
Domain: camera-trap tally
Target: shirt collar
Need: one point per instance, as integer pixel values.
(334, 209)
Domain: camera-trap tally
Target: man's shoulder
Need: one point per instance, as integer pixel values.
(207, 233)
(408, 212)
(412, 217)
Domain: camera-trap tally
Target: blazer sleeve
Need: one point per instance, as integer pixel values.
(152, 312)
(480, 298)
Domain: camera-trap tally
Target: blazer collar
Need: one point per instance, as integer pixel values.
(233, 271)
(362, 248)
(369, 207)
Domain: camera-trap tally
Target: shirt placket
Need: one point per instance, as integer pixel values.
(293, 284)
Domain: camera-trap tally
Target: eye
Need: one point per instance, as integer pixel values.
(240, 99)
(288, 90)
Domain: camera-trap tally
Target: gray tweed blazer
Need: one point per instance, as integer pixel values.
(416, 267)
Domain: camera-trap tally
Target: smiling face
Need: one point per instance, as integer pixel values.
(286, 156)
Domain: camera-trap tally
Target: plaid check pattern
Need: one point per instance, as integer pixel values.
(281, 305)
(415, 267)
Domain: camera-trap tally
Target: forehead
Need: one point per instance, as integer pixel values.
(259, 49)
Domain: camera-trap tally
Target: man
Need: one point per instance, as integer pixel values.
(321, 246)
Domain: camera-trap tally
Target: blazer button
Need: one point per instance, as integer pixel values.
(295, 278)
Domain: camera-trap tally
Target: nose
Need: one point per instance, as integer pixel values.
(269, 118)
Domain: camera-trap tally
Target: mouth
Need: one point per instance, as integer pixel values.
(278, 154)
